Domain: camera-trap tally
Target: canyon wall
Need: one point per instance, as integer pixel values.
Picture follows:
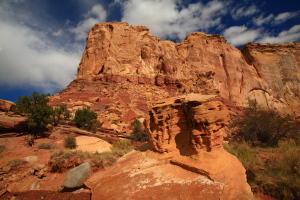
(140, 69)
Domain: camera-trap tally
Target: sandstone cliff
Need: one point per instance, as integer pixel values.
(126, 67)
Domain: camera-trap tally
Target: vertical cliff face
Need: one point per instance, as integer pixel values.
(278, 65)
(129, 55)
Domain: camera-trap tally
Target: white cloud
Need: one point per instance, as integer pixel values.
(239, 35)
(29, 59)
(245, 11)
(282, 17)
(170, 19)
(58, 33)
(96, 15)
(263, 20)
(285, 36)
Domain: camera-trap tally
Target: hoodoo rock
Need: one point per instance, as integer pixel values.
(125, 67)
(185, 161)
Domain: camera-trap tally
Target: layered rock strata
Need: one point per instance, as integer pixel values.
(186, 158)
(125, 67)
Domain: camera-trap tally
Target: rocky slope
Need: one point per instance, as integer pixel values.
(185, 161)
(124, 69)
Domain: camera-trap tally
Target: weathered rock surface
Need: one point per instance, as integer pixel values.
(11, 121)
(76, 176)
(186, 160)
(24, 185)
(125, 67)
(92, 144)
(5, 105)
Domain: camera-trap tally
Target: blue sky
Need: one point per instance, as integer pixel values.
(41, 41)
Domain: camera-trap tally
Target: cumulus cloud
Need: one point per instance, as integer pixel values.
(172, 19)
(96, 15)
(282, 17)
(26, 59)
(291, 35)
(239, 35)
(29, 57)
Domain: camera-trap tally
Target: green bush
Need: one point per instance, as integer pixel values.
(138, 133)
(86, 119)
(35, 106)
(264, 125)
(60, 114)
(70, 142)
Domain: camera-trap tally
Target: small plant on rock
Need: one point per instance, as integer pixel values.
(121, 147)
(29, 140)
(138, 133)
(70, 142)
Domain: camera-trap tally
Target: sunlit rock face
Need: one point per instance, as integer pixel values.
(189, 123)
(126, 68)
(185, 160)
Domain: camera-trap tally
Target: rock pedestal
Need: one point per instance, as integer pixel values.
(186, 159)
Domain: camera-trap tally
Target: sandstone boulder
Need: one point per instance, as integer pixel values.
(92, 144)
(10, 121)
(5, 105)
(76, 176)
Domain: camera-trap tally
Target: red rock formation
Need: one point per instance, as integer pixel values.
(278, 65)
(125, 67)
(5, 105)
(187, 159)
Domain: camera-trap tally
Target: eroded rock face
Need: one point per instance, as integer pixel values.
(5, 105)
(189, 124)
(279, 66)
(186, 159)
(120, 60)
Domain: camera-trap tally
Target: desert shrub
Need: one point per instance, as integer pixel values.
(138, 133)
(29, 140)
(279, 176)
(60, 114)
(281, 179)
(264, 125)
(121, 147)
(100, 160)
(86, 119)
(45, 146)
(37, 110)
(247, 157)
(104, 159)
(16, 162)
(70, 142)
